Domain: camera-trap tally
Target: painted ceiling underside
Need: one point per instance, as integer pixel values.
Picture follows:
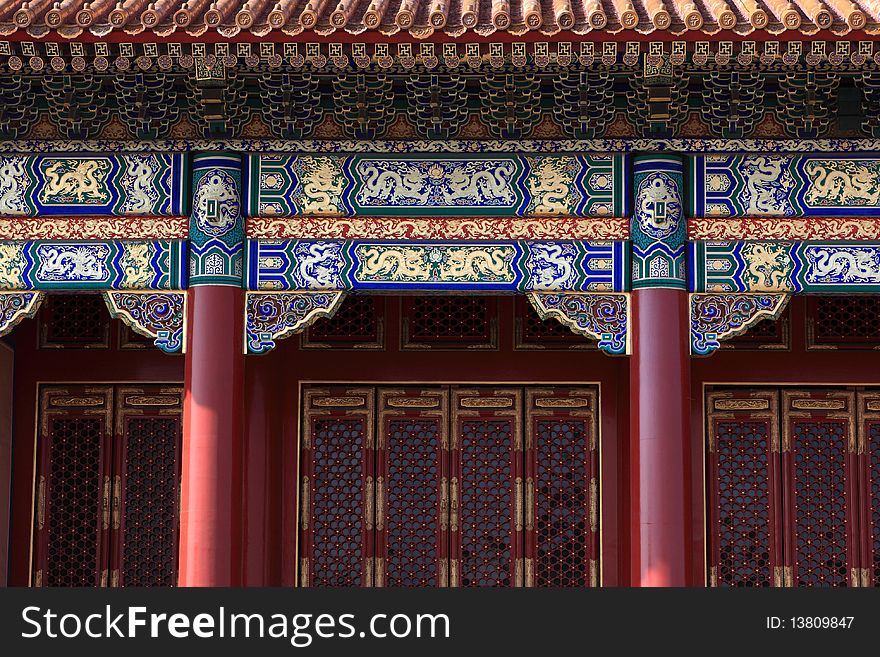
(423, 18)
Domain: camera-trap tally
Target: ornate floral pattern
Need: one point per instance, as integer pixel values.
(279, 147)
(487, 265)
(784, 267)
(158, 315)
(125, 265)
(784, 186)
(785, 228)
(216, 206)
(126, 184)
(603, 317)
(216, 227)
(658, 231)
(16, 306)
(437, 228)
(271, 316)
(89, 228)
(716, 317)
(437, 185)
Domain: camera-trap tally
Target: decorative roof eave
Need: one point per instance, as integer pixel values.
(424, 19)
(455, 32)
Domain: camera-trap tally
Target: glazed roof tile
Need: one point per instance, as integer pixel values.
(422, 18)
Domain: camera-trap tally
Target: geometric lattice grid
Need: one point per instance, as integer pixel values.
(338, 502)
(744, 516)
(450, 321)
(358, 322)
(873, 440)
(412, 502)
(486, 502)
(74, 321)
(764, 334)
(72, 509)
(562, 497)
(844, 322)
(545, 334)
(819, 451)
(149, 546)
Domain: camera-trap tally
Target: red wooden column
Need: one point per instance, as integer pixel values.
(211, 495)
(262, 488)
(659, 377)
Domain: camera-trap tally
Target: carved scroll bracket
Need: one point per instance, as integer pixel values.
(716, 317)
(157, 315)
(16, 306)
(271, 316)
(603, 317)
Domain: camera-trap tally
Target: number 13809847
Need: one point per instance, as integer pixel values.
(810, 623)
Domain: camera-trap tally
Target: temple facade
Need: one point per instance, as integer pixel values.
(405, 293)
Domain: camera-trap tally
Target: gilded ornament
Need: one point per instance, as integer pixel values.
(271, 316)
(818, 404)
(741, 404)
(603, 317)
(343, 402)
(716, 317)
(157, 315)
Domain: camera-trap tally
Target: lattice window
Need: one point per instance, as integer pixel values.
(412, 497)
(338, 502)
(76, 321)
(74, 517)
(486, 490)
(449, 500)
(486, 469)
(843, 322)
(150, 489)
(562, 497)
(337, 491)
(107, 506)
(450, 322)
(533, 333)
(765, 334)
(819, 454)
(358, 324)
(745, 498)
(743, 511)
(72, 512)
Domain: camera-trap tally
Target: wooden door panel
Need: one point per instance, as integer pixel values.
(412, 487)
(744, 502)
(561, 487)
(72, 514)
(146, 486)
(820, 487)
(337, 499)
(486, 488)
(869, 487)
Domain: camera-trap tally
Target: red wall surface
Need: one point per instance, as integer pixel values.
(272, 392)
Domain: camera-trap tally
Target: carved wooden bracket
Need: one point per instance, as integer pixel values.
(715, 317)
(16, 306)
(271, 316)
(157, 315)
(601, 316)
